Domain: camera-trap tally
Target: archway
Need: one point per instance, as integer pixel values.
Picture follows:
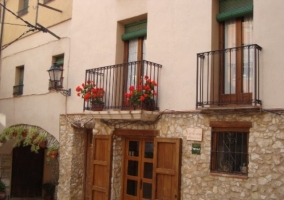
(28, 170)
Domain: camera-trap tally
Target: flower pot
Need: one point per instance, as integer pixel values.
(53, 154)
(2, 195)
(42, 144)
(24, 133)
(97, 107)
(48, 197)
(149, 105)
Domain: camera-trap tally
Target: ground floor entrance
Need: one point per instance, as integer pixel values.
(150, 166)
(27, 173)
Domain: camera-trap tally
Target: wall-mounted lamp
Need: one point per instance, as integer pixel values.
(55, 74)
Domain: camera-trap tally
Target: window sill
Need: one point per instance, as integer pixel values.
(241, 176)
(229, 109)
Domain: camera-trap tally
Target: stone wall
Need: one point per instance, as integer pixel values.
(71, 161)
(266, 156)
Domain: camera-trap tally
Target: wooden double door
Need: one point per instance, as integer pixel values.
(150, 168)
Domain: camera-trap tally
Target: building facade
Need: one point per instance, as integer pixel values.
(189, 97)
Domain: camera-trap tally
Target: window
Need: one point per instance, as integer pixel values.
(59, 60)
(236, 31)
(23, 7)
(238, 71)
(134, 53)
(19, 81)
(134, 49)
(46, 1)
(229, 148)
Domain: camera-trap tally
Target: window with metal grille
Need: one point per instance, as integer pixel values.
(19, 83)
(229, 148)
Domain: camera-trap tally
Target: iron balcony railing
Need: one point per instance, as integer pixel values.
(228, 77)
(18, 89)
(116, 80)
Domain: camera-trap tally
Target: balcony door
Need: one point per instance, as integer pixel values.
(134, 50)
(238, 65)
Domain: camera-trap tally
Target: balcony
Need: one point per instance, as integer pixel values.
(116, 80)
(228, 78)
(18, 90)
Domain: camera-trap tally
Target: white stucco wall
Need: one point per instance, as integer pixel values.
(268, 33)
(37, 106)
(176, 32)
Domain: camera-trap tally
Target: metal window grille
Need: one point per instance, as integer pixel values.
(18, 89)
(229, 152)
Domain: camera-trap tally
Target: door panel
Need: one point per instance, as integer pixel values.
(138, 172)
(27, 172)
(101, 167)
(167, 168)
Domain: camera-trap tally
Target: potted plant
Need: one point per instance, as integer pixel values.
(21, 131)
(17, 132)
(48, 189)
(32, 134)
(2, 139)
(52, 152)
(2, 190)
(40, 140)
(142, 95)
(89, 92)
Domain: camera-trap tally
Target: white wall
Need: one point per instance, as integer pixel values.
(269, 34)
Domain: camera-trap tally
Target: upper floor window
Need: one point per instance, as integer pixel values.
(236, 28)
(19, 81)
(46, 1)
(229, 147)
(134, 38)
(23, 7)
(230, 76)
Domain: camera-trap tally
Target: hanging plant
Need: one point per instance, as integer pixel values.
(40, 140)
(52, 152)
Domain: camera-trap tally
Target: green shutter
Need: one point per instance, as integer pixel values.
(230, 9)
(135, 30)
(59, 60)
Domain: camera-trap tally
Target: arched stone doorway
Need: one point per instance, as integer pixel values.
(24, 171)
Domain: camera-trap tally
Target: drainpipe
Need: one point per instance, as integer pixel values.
(1, 34)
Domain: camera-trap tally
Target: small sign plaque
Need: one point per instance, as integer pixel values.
(194, 134)
(196, 148)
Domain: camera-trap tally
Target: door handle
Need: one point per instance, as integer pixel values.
(140, 184)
